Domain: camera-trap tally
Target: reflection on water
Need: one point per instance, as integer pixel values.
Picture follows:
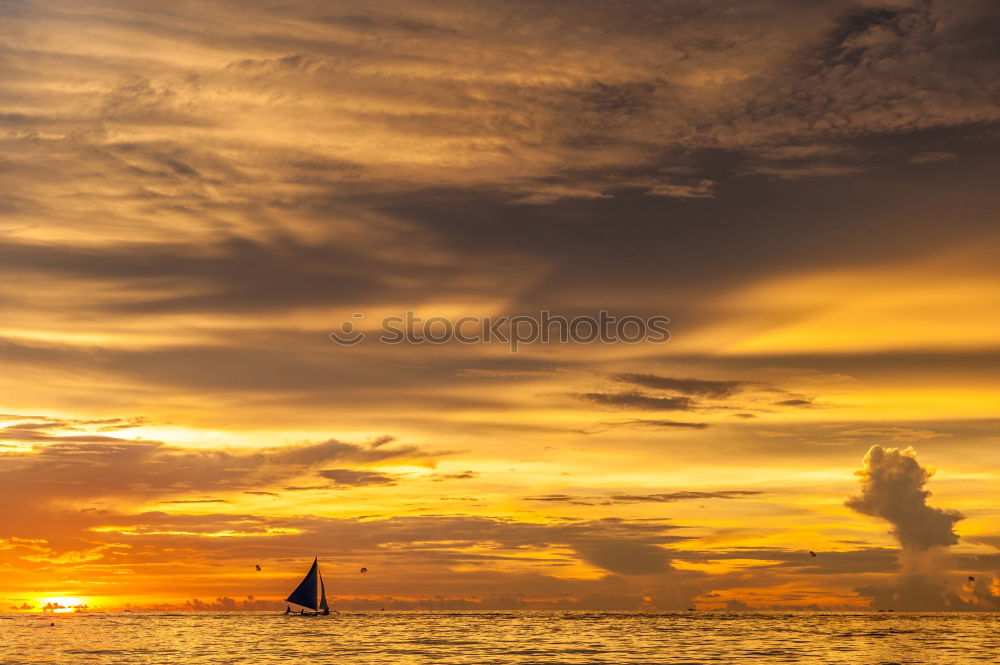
(502, 637)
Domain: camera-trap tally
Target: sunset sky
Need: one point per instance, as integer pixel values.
(194, 195)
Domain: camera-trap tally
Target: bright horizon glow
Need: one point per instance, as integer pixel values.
(65, 603)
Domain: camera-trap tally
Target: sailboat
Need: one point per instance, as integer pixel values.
(310, 593)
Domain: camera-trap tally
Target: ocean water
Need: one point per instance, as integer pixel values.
(520, 637)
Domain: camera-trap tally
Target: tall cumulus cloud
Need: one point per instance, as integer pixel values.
(892, 488)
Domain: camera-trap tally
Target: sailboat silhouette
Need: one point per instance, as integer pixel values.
(311, 592)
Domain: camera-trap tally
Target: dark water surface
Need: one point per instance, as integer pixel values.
(502, 637)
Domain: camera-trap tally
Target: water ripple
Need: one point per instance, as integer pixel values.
(503, 638)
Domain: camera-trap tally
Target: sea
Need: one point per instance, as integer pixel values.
(523, 637)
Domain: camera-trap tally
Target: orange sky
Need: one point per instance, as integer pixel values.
(194, 197)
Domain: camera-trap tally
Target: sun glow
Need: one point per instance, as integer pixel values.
(62, 604)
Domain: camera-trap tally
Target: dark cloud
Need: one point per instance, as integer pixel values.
(197, 501)
(355, 478)
(463, 475)
(790, 103)
(34, 428)
(215, 278)
(622, 546)
(795, 402)
(146, 469)
(562, 498)
(678, 496)
(864, 560)
(983, 595)
(640, 401)
(991, 540)
(639, 422)
(626, 558)
(617, 497)
(303, 368)
(921, 593)
(699, 387)
(892, 488)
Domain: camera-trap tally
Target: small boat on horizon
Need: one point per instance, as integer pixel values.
(310, 594)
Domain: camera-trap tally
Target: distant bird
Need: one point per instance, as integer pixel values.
(811, 553)
(258, 567)
(971, 578)
(364, 570)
